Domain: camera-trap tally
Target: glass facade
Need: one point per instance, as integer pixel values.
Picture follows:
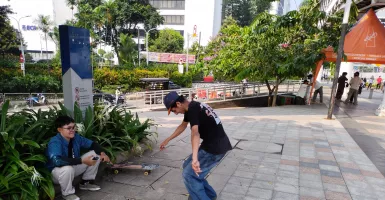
(168, 4)
(173, 19)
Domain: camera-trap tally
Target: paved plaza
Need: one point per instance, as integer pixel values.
(289, 152)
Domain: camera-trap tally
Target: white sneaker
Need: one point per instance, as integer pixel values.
(89, 186)
(71, 197)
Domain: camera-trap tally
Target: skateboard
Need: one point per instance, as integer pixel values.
(146, 167)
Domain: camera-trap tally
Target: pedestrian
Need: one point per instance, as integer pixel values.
(365, 82)
(370, 84)
(341, 85)
(318, 90)
(206, 125)
(354, 86)
(65, 162)
(379, 82)
(118, 92)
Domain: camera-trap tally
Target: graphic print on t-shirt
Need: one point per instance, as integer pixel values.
(211, 113)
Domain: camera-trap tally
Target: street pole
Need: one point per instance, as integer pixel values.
(188, 43)
(147, 33)
(21, 41)
(340, 54)
(138, 49)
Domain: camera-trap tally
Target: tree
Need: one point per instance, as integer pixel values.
(109, 56)
(107, 20)
(44, 23)
(244, 11)
(72, 4)
(9, 40)
(169, 41)
(127, 49)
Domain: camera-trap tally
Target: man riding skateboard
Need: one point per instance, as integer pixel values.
(206, 125)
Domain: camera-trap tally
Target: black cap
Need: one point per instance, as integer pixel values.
(170, 99)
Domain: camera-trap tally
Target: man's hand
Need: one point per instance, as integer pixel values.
(104, 157)
(164, 144)
(196, 167)
(88, 160)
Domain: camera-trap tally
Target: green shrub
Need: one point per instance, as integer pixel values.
(24, 137)
(184, 80)
(31, 84)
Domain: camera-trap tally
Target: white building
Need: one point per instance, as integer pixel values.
(36, 44)
(284, 6)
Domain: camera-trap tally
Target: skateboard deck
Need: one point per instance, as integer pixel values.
(147, 167)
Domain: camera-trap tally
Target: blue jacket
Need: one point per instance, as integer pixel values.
(57, 151)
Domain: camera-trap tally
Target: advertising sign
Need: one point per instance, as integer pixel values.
(170, 57)
(76, 67)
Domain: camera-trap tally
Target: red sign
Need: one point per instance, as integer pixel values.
(21, 58)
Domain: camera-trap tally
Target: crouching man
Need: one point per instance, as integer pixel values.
(65, 162)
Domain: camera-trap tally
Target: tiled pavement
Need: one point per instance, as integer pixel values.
(319, 160)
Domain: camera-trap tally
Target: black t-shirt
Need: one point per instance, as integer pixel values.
(215, 140)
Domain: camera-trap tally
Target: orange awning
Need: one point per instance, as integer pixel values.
(364, 43)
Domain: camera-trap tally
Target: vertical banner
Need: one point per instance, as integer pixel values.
(76, 67)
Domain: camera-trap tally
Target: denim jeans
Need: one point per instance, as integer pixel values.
(197, 186)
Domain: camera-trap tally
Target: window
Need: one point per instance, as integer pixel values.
(168, 4)
(173, 19)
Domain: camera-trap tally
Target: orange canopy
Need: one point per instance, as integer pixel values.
(364, 43)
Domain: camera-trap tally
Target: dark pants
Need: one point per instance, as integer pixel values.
(320, 92)
(340, 91)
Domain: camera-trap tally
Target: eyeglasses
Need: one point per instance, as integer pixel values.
(70, 128)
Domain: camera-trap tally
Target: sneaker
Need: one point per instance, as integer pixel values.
(89, 186)
(71, 197)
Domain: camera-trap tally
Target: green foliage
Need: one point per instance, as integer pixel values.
(244, 11)
(106, 20)
(127, 49)
(31, 84)
(169, 41)
(24, 137)
(44, 23)
(184, 80)
(9, 42)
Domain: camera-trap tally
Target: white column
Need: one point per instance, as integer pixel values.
(381, 109)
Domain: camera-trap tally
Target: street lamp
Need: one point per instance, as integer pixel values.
(147, 42)
(21, 40)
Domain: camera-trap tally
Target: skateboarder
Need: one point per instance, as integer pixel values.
(204, 124)
(65, 162)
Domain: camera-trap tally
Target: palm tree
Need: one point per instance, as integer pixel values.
(72, 4)
(44, 23)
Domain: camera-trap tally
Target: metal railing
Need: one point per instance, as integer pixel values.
(224, 92)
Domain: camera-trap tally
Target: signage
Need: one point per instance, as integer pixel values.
(170, 58)
(29, 28)
(76, 67)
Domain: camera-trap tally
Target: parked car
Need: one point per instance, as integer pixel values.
(100, 96)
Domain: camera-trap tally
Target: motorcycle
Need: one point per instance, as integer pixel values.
(39, 100)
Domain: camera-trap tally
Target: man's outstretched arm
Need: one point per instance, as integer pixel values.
(176, 133)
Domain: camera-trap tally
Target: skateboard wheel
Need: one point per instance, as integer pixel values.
(146, 173)
(116, 171)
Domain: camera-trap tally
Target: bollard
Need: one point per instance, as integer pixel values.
(371, 93)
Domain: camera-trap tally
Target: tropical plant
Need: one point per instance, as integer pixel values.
(127, 49)
(169, 41)
(72, 4)
(44, 23)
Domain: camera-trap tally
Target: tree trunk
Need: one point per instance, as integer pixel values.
(275, 92)
(270, 93)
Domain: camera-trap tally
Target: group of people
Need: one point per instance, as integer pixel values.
(66, 162)
(379, 83)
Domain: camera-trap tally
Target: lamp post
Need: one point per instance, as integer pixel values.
(147, 32)
(21, 40)
(340, 54)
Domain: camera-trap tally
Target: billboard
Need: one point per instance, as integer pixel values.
(170, 57)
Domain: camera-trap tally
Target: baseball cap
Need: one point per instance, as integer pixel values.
(169, 100)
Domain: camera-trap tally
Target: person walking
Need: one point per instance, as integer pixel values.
(118, 92)
(354, 86)
(318, 89)
(370, 84)
(206, 125)
(341, 85)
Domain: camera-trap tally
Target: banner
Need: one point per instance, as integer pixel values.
(170, 57)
